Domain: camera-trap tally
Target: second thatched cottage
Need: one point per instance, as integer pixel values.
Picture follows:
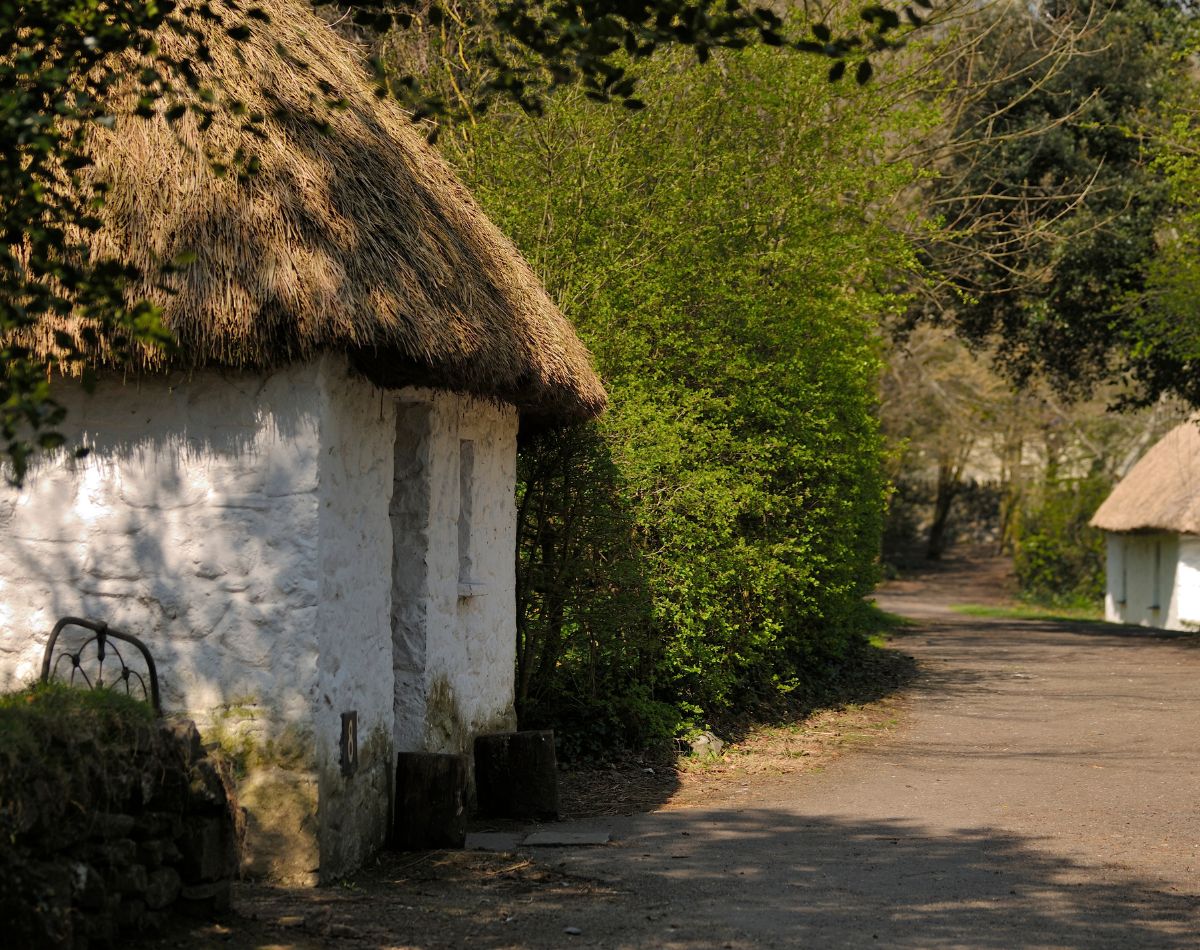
(307, 511)
(1152, 523)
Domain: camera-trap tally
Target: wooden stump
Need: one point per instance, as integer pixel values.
(516, 775)
(431, 795)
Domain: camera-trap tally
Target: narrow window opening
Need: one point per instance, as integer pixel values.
(466, 502)
(1155, 599)
(1122, 592)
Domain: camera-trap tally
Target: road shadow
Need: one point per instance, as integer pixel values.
(644, 781)
(782, 880)
(754, 878)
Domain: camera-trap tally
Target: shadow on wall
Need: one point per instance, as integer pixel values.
(192, 525)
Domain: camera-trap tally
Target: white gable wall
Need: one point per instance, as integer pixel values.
(453, 611)
(241, 527)
(1153, 580)
(1187, 583)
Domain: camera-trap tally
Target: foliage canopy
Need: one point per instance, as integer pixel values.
(709, 541)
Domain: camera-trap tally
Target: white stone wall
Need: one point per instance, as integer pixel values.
(193, 523)
(1187, 584)
(474, 656)
(1144, 577)
(354, 637)
(454, 634)
(291, 548)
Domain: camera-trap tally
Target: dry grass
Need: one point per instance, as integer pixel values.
(767, 752)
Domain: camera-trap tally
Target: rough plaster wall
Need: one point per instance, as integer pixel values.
(409, 513)
(1187, 584)
(241, 525)
(358, 429)
(472, 628)
(193, 524)
(1144, 586)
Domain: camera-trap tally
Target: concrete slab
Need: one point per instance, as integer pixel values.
(494, 840)
(552, 838)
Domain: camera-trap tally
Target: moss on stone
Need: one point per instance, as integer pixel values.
(237, 728)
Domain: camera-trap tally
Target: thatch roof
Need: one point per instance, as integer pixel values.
(1162, 491)
(358, 239)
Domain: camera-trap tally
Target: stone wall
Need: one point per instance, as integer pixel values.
(454, 584)
(292, 548)
(152, 834)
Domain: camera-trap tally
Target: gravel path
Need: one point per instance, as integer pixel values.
(1042, 794)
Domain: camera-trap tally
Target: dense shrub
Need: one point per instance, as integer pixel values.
(1059, 558)
(708, 542)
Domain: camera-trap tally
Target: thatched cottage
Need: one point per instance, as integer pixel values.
(308, 509)
(1152, 523)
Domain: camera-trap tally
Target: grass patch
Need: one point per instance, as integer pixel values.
(66, 751)
(884, 624)
(33, 718)
(1032, 612)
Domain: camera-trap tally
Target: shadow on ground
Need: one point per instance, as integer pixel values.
(757, 878)
(643, 782)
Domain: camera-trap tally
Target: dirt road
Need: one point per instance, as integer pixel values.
(1042, 792)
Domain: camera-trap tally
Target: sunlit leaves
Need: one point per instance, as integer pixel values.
(708, 543)
(533, 49)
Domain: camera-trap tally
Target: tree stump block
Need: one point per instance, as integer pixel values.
(431, 797)
(516, 775)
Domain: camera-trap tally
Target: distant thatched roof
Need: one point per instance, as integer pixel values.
(359, 239)
(1162, 491)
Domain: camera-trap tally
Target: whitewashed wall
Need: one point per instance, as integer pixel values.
(194, 524)
(289, 547)
(454, 634)
(354, 638)
(1147, 579)
(1187, 583)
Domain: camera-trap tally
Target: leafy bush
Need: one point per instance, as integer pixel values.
(1059, 558)
(707, 543)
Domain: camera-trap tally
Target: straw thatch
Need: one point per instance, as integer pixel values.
(357, 238)
(1162, 491)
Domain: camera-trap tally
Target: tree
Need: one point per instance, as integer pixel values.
(1054, 206)
(68, 64)
(1166, 332)
(489, 51)
(1036, 466)
(709, 541)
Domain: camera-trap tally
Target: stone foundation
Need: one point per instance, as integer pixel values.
(161, 839)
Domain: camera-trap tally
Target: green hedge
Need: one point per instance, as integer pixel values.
(707, 544)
